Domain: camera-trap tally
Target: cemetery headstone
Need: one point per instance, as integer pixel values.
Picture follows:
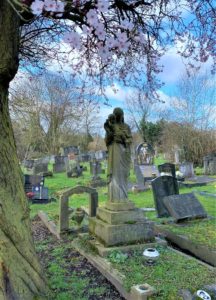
(163, 186)
(60, 164)
(32, 180)
(65, 211)
(210, 164)
(95, 168)
(167, 168)
(145, 173)
(41, 194)
(184, 206)
(144, 154)
(40, 166)
(187, 169)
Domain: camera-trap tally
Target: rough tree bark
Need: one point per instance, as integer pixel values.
(21, 276)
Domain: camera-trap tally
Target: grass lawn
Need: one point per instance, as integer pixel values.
(171, 273)
(203, 232)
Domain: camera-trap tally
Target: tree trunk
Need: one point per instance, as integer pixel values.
(21, 277)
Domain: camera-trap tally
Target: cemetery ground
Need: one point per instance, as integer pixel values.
(70, 276)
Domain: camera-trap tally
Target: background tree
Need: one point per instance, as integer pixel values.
(191, 116)
(51, 112)
(146, 28)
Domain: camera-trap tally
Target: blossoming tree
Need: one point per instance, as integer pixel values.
(121, 38)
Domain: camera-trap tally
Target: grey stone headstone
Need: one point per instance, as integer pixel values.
(95, 168)
(149, 171)
(184, 206)
(60, 164)
(163, 186)
(40, 168)
(187, 169)
(210, 164)
(167, 168)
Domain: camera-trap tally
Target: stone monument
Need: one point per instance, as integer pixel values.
(119, 222)
(210, 164)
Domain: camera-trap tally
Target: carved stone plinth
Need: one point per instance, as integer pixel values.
(114, 228)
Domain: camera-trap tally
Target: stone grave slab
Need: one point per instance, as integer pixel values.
(163, 186)
(167, 168)
(184, 206)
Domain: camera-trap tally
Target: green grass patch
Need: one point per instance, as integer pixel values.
(171, 273)
(203, 232)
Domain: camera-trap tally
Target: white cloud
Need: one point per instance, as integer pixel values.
(117, 92)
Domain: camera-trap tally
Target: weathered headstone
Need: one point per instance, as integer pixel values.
(41, 194)
(40, 167)
(95, 168)
(144, 173)
(144, 154)
(184, 206)
(167, 168)
(60, 164)
(32, 180)
(163, 186)
(187, 169)
(65, 211)
(210, 164)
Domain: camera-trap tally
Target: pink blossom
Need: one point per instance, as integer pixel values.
(92, 17)
(111, 42)
(50, 5)
(37, 7)
(72, 38)
(100, 31)
(103, 53)
(123, 46)
(122, 37)
(127, 24)
(103, 5)
(60, 6)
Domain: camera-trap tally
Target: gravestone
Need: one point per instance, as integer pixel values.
(95, 168)
(32, 180)
(187, 169)
(210, 164)
(65, 210)
(167, 168)
(163, 186)
(40, 166)
(184, 206)
(144, 154)
(144, 173)
(60, 164)
(41, 194)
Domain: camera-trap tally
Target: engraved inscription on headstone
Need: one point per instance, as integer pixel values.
(163, 186)
(184, 206)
